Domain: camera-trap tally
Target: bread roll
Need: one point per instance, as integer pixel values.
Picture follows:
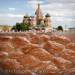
(7, 47)
(16, 54)
(69, 72)
(41, 54)
(53, 47)
(35, 39)
(68, 54)
(46, 67)
(62, 63)
(71, 46)
(60, 39)
(38, 52)
(18, 42)
(11, 64)
(29, 47)
(3, 55)
(29, 61)
(44, 38)
(5, 38)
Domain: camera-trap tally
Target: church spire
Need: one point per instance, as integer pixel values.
(39, 15)
(38, 6)
(38, 11)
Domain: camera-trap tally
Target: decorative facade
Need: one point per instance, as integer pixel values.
(38, 19)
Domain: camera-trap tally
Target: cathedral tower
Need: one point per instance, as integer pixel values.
(39, 15)
(47, 20)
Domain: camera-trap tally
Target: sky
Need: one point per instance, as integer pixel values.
(62, 11)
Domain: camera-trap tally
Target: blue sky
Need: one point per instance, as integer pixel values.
(62, 11)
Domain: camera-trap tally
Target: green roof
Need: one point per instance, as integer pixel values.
(47, 15)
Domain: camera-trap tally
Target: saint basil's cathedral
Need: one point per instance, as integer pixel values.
(38, 19)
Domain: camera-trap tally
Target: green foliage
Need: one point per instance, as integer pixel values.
(24, 26)
(5, 28)
(13, 28)
(21, 27)
(18, 26)
(60, 28)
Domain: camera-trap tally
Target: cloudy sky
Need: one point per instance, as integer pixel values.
(62, 11)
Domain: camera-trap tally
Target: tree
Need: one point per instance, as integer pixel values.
(21, 27)
(24, 27)
(13, 28)
(5, 28)
(18, 26)
(60, 28)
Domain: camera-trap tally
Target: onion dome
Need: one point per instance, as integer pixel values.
(26, 16)
(47, 15)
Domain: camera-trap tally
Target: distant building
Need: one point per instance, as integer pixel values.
(38, 19)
